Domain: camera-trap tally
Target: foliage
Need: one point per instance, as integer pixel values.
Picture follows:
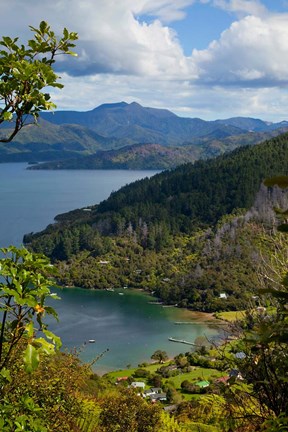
(125, 411)
(160, 356)
(23, 296)
(61, 395)
(263, 342)
(26, 71)
(24, 291)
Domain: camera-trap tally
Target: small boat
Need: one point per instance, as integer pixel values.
(91, 341)
(121, 293)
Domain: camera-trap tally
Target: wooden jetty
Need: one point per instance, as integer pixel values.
(181, 341)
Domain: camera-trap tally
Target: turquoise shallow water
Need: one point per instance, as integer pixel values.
(126, 324)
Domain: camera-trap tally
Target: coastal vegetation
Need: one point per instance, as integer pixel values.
(194, 236)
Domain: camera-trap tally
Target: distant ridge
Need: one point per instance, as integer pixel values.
(139, 124)
(69, 134)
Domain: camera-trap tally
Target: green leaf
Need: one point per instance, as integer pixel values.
(5, 373)
(31, 358)
(7, 116)
(43, 346)
(51, 311)
(30, 329)
(56, 339)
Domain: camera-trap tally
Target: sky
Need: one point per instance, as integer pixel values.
(211, 59)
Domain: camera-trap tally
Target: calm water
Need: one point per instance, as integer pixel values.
(29, 200)
(127, 324)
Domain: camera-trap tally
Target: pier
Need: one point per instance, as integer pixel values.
(181, 341)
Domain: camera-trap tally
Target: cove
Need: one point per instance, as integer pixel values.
(125, 323)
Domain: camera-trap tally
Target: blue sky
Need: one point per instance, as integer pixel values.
(199, 58)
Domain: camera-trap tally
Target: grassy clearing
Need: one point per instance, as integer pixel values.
(198, 374)
(128, 372)
(231, 315)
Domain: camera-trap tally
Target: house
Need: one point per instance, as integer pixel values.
(223, 296)
(155, 394)
(222, 379)
(240, 355)
(158, 397)
(234, 373)
(203, 384)
(156, 389)
(148, 393)
(124, 378)
(152, 391)
(138, 384)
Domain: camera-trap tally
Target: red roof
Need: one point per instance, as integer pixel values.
(122, 378)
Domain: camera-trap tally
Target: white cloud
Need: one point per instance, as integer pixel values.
(166, 10)
(113, 39)
(252, 52)
(113, 36)
(181, 97)
(242, 7)
(129, 51)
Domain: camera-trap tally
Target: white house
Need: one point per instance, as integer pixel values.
(138, 384)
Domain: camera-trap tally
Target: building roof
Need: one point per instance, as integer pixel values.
(138, 384)
(124, 378)
(203, 384)
(240, 355)
(222, 379)
(158, 396)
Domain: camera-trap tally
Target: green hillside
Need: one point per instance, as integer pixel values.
(137, 156)
(183, 234)
(52, 142)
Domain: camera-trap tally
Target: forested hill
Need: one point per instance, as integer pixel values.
(136, 156)
(189, 196)
(201, 193)
(156, 233)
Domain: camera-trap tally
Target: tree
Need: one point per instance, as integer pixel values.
(160, 356)
(126, 411)
(24, 290)
(23, 295)
(25, 71)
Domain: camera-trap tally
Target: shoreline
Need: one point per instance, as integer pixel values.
(186, 314)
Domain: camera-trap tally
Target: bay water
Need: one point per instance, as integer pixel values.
(123, 322)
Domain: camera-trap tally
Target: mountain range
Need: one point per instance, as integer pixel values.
(69, 134)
